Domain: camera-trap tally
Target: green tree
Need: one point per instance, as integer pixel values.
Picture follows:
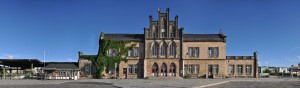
(267, 71)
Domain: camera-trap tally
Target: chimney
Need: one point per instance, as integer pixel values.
(102, 35)
(80, 53)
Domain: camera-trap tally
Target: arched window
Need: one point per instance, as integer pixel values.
(172, 49)
(154, 49)
(163, 49)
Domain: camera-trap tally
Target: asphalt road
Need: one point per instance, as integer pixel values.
(259, 84)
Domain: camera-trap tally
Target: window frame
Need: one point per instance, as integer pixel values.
(248, 67)
(240, 69)
(196, 52)
(130, 67)
(231, 69)
(216, 69)
(135, 52)
(172, 49)
(129, 53)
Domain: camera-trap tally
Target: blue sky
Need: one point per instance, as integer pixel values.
(64, 27)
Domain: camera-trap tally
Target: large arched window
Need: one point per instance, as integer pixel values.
(154, 49)
(173, 49)
(163, 49)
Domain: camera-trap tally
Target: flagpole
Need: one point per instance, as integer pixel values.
(44, 59)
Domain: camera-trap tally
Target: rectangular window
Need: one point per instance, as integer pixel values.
(190, 52)
(216, 52)
(190, 69)
(196, 51)
(172, 35)
(129, 53)
(87, 69)
(231, 69)
(154, 35)
(110, 52)
(163, 33)
(130, 69)
(196, 69)
(240, 69)
(248, 69)
(135, 69)
(185, 69)
(216, 69)
(135, 52)
(193, 51)
(209, 52)
(213, 51)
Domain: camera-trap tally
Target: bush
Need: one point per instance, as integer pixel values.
(188, 76)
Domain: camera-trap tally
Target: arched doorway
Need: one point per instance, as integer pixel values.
(163, 69)
(172, 69)
(155, 69)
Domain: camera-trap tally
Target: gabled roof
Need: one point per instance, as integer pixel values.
(203, 37)
(139, 37)
(61, 66)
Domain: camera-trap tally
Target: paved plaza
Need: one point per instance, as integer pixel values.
(147, 83)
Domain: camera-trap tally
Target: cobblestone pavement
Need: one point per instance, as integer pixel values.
(147, 83)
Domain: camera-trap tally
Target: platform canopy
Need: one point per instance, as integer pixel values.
(23, 63)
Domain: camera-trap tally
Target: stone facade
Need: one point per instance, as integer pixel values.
(164, 51)
(86, 67)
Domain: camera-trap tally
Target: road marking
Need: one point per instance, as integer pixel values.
(212, 84)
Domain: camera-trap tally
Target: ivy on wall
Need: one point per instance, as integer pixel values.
(105, 62)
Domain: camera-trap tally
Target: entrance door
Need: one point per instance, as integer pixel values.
(210, 71)
(155, 69)
(125, 73)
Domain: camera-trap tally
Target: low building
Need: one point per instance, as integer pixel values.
(295, 69)
(283, 70)
(62, 70)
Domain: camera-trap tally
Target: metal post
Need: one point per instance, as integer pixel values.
(4, 72)
(31, 70)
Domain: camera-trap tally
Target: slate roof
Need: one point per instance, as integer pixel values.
(203, 37)
(186, 37)
(139, 37)
(61, 66)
